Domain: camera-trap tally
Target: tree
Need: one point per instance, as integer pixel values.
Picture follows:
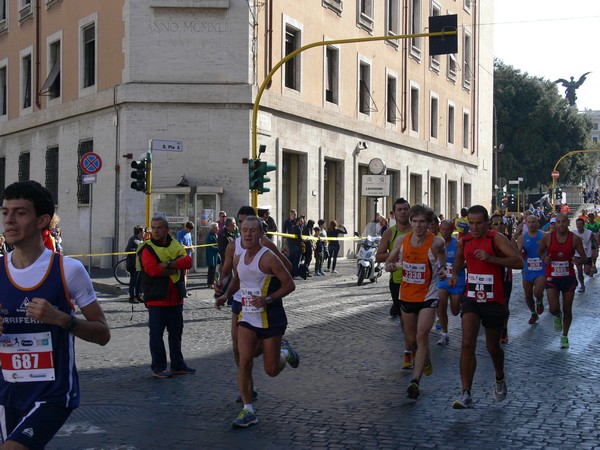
(537, 127)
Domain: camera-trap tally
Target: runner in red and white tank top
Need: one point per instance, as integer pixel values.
(558, 251)
(485, 253)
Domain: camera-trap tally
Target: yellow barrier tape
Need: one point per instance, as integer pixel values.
(315, 238)
(130, 253)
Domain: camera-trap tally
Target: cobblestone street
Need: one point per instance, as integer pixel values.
(349, 391)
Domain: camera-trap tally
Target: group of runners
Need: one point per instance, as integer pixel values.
(430, 268)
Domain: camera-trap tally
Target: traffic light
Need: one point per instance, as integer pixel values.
(263, 179)
(442, 45)
(511, 200)
(140, 175)
(254, 174)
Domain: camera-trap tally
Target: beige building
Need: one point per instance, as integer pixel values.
(109, 76)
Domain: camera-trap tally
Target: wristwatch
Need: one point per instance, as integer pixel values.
(268, 300)
(71, 325)
(169, 264)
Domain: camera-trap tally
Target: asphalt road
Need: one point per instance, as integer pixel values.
(349, 391)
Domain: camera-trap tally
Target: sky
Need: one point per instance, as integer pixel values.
(552, 39)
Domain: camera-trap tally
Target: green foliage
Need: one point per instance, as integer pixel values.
(537, 128)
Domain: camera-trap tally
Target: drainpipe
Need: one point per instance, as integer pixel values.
(117, 125)
(37, 54)
(474, 80)
(269, 30)
(404, 68)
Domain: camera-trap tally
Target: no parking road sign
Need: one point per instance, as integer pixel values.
(91, 163)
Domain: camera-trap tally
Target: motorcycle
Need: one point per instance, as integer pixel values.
(367, 268)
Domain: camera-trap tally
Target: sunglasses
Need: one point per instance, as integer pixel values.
(497, 223)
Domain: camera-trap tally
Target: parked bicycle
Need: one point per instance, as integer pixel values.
(121, 273)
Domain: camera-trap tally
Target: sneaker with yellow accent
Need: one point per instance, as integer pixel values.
(558, 323)
(564, 342)
(244, 419)
(413, 390)
(408, 362)
(428, 369)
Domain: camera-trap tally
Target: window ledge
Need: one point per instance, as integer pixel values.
(51, 3)
(199, 4)
(26, 12)
(365, 22)
(335, 5)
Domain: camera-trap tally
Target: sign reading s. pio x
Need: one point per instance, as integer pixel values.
(166, 146)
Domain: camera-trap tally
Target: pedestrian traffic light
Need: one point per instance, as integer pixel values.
(140, 175)
(263, 179)
(253, 174)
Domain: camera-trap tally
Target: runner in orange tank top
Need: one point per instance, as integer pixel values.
(423, 258)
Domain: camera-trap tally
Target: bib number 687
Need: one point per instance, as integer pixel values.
(25, 361)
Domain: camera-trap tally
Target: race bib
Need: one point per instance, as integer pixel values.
(413, 273)
(480, 287)
(449, 269)
(27, 357)
(560, 268)
(247, 306)
(534, 264)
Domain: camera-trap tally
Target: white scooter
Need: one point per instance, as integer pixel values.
(367, 267)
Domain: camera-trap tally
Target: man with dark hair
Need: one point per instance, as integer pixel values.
(402, 226)
(135, 280)
(184, 237)
(422, 256)
(162, 260)
(40, 388)
(461, 224)
(558, 249)
(485, 253)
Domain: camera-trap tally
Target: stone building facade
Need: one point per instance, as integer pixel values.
(109, 76)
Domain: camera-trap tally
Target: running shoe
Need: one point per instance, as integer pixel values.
(558, 323)
(293, 357)
(444, 340)
(564, 342)
(408, 363)
(162, 374)
(533, 319)
(244, 419)
(463, 402)
(581, 289)
(500, 390)
(539, 306)
(334, 271)
(428, 369)
(438, 324)
(413, 390)
(254, 396)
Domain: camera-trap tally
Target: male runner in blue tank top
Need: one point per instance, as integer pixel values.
(39, 387)
(534, 267)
